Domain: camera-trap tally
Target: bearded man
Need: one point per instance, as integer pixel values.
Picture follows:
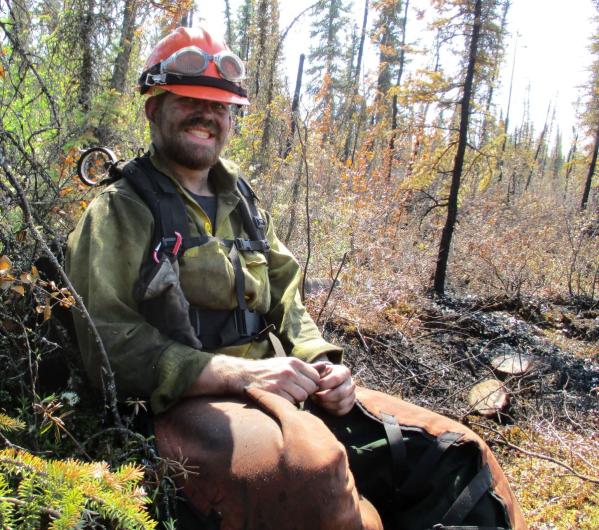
(197, 303)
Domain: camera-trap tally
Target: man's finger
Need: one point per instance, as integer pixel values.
(339, 408)
(286, 395)
(338, 375)
(306, 369)
(337, 394)
(309, 385)
(323, 368)
(299, 393)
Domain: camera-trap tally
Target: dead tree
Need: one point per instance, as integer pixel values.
(452, 205)
(591, 172)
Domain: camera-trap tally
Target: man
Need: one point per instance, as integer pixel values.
(197, 304)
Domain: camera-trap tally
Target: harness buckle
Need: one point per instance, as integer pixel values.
(248, 323)
(259, 222)
(243, 244)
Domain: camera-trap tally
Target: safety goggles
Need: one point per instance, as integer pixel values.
(185, 66)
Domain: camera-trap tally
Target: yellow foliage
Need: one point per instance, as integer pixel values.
(10, 424)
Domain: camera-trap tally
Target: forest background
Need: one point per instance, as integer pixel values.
(457, 232)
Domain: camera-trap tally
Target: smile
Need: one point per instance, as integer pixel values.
(202, 134)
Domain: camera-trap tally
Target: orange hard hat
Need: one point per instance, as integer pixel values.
(190, 62)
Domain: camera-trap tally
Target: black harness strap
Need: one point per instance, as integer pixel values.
(161, 197)
(252, 220)
(469, 497)
(168, 209)
(443, 527)
(172, 236)
(396, 445)
(427, 463)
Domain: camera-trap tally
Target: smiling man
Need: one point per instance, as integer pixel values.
(197, 303)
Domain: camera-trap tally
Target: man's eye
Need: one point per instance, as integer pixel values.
(219, 107)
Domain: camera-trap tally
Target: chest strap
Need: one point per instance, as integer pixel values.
(172, 237)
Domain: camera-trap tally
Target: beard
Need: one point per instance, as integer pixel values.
(174, 145)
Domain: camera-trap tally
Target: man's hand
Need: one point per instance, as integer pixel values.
(288, 377)
(337, 391)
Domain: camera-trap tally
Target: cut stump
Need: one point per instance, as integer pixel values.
(488, 398)
(512, 363)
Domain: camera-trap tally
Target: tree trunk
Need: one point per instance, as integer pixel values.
(261, 51)
(507, 115)
(187, 18)
(294, 203)
(590, 174)
(361, 46)
(229, 23)
(538, 149)
(86, 71)
(295, 105)
(570, 159)
(352, 131)
(394, 110)
(245, 16)
(452, 205)
(121, 63)
(492, 82)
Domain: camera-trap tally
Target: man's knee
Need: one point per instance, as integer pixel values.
(266, 467)
(212, 432)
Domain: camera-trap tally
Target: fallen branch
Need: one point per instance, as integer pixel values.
(540, 456)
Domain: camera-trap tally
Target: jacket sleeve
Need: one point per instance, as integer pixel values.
(104, 255)
(295, 326)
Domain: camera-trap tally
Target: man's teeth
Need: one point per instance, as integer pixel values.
(200, 133)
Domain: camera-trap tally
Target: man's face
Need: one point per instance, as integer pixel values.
(190, 132)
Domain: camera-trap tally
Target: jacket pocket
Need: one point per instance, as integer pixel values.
(207, 277)
(257, 287)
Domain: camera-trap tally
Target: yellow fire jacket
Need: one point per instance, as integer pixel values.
(105, 252)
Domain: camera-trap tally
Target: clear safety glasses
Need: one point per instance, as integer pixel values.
(192, 61)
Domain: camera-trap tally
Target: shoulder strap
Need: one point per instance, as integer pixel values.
(253, 222)
(169, 213)
(163, 200)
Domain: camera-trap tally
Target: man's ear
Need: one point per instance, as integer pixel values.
(231, 125)
(151, 107)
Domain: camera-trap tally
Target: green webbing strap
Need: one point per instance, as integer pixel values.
(469, 497)
(425, 468)
(396, 445)
(239, 278)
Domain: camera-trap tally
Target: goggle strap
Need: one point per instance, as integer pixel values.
(199, 80)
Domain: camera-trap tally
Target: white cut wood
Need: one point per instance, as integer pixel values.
(488, 397)
(512, 363)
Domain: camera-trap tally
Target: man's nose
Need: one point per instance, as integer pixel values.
(205, 106)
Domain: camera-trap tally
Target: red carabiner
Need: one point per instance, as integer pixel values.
(177, 244)
(174, 251)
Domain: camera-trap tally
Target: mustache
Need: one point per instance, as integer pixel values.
(201, 122)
